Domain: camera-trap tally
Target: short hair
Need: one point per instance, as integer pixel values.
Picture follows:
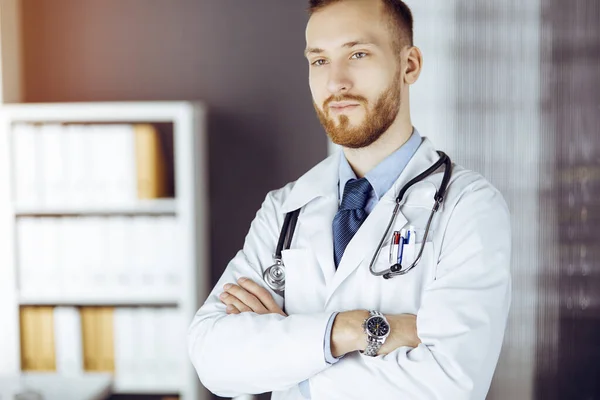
(399, 12)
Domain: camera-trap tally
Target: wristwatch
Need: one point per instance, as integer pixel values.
(377, 329)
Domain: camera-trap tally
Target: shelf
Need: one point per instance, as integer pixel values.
(147, 207)
(155, 301)
(51, 386)
(71, 223)
(145, 391)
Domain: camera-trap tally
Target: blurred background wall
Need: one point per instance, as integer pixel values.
(244, 59)
(568, 346)
(509, 88)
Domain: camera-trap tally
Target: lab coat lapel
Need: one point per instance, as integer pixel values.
(319, 188)
(320, 233)
(363, 245)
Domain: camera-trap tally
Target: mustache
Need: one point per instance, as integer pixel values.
(345, 97)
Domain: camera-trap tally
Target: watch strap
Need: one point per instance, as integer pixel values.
(373, 345)
(372, 348)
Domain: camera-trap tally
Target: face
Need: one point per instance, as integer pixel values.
(354, 71)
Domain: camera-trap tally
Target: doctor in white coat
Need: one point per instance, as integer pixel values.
(435, 332)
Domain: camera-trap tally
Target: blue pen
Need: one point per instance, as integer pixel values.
(403, 241)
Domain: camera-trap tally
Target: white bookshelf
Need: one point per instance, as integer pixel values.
(189, 207)
(143, 207)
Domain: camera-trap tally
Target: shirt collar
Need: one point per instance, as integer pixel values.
(383, 176)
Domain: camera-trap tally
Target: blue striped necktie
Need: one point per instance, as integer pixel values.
(350, 215)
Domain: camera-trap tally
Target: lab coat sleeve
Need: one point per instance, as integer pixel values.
(461, 320)
(249, 353)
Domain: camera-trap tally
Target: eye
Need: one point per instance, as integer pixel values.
(318, 62)
(360, 54)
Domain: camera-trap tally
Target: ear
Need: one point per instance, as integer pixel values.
(413, 66)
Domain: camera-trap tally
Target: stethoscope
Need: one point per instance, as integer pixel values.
(274, 276)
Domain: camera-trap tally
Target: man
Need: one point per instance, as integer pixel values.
(432, 333)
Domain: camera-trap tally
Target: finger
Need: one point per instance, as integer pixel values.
(232, 310)
(248, 299)
(262, 294)
(230, 300)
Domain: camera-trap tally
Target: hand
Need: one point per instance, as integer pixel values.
(249, 297)
(403, 332)
(348, 335)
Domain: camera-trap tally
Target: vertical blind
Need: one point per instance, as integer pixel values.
(511, 89)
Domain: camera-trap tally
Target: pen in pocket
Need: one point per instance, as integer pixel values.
(394, 247)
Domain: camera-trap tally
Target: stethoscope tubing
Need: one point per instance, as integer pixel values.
(274, 276)
(396, 269)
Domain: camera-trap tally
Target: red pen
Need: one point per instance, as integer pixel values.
(394, 247)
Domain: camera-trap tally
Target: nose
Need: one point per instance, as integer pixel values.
(339, 81)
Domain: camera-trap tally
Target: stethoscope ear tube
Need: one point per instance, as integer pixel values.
(287, 232)
(444, 159)
(439, 196)
(396, 269)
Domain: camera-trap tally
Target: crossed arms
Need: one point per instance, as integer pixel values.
(347, 334)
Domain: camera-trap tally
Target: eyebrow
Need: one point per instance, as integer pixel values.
(316, 50)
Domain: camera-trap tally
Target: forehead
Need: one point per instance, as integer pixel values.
(347, 21)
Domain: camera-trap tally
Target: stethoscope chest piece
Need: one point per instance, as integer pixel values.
(274, 276)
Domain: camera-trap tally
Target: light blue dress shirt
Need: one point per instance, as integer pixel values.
(381, 178)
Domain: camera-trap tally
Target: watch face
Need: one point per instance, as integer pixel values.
(377, 326)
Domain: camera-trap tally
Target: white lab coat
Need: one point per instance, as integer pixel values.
(460, 292)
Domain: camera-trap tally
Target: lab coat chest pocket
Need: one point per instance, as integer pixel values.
(305, 286)
(403, 293)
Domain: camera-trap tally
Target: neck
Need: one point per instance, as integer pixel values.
(364, 160)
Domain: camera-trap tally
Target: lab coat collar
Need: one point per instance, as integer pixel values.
(320, 181)
(425, 156)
